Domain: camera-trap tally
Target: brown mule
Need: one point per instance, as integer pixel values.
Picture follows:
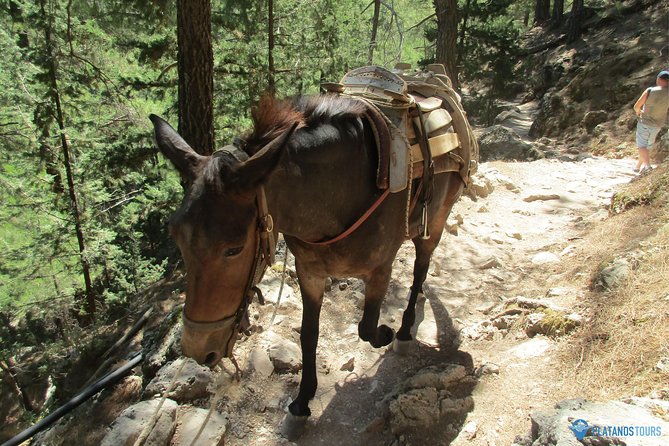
(315, 160)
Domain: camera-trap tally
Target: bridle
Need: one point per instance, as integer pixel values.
(263, 258)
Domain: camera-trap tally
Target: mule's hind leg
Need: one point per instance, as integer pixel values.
(424, 250)
(376, 286)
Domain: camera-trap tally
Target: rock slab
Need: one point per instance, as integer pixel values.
(132, 421)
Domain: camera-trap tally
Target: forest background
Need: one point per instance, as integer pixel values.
(85, 197)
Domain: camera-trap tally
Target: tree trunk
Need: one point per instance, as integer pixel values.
(77, 217)
(196, 74)
(375, 27)
(10, 378)
(574, 21)
(271, 75)
(558, 12)
(542, 11)
(463, 28)
(447, 35)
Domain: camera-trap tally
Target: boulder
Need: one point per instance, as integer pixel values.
(286, 356)
(593, 118)
(260, 363)
(189, 422)
(571, 418)
(501, 143)
(131, 423)
(613, 274)
(190, 384)
(433, 396)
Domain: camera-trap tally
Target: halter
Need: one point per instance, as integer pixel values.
(266, 247)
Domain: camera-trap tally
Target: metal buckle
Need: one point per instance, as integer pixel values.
(267, 223)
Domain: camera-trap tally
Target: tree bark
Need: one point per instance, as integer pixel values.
(574, 21)
(77, 215)
(196, 80)
(375, 27)
(271, 74)
(542, 11)
(447, 35)
(558, 12)
(10, 377)
(463, 27)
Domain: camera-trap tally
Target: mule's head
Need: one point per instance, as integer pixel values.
(216, 230)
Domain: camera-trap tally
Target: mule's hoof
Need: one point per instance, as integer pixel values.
(385, 335)
(292, 426)
(402, 347)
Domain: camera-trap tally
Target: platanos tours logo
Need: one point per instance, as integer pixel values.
(582, 429)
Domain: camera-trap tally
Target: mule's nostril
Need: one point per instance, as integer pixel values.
(212, 359)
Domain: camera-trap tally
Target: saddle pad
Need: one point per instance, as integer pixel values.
(439, 145)
(435, 120)
(427, 104)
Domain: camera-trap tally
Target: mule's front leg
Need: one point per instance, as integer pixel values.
(312, 289)
(376, 286)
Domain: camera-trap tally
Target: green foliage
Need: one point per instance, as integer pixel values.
(115, 63)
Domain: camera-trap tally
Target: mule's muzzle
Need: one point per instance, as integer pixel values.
(209, 342)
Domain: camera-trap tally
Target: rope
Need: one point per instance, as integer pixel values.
(283, 281)
(154, 418)
(212, 406)
(409, 187)
(219, 385)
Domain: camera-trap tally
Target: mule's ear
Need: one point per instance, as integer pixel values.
(173, 146)
(253, 171)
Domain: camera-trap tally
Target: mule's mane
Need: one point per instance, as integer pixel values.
(272, 117)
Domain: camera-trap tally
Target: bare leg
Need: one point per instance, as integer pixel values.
(644, 157)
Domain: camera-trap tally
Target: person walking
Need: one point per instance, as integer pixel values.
(651, 109)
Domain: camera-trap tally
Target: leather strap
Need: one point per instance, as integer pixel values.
(266, 227)
(355, 225)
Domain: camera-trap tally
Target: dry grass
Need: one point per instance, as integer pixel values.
(627, 332)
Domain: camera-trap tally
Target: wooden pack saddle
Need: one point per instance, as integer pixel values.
(418, 123)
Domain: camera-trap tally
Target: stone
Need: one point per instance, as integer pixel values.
(613, 274)
(553, 426)
(541, 197)
(487, 368)
(191, 419)
(349, 365)
(190, 384)
(532, 348)
(470, 430)
(437, 377)
(489, 263)
(260, 363)
(127, 428)
(533, 325)
(662, 365)
(501, 143)
(543, 258)
(286, 356)
(415, 409)
(593, 118)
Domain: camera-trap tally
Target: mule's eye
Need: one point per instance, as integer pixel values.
(233, 251)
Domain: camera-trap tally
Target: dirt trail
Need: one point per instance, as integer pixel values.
(509, 243)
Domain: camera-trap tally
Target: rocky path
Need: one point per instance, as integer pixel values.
(511, 239)
(490, 328)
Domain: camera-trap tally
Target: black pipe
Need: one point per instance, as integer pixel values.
(77, 400)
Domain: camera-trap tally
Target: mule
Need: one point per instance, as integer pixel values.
(315, 161)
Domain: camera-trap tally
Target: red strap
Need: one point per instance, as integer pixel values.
(355, 225)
